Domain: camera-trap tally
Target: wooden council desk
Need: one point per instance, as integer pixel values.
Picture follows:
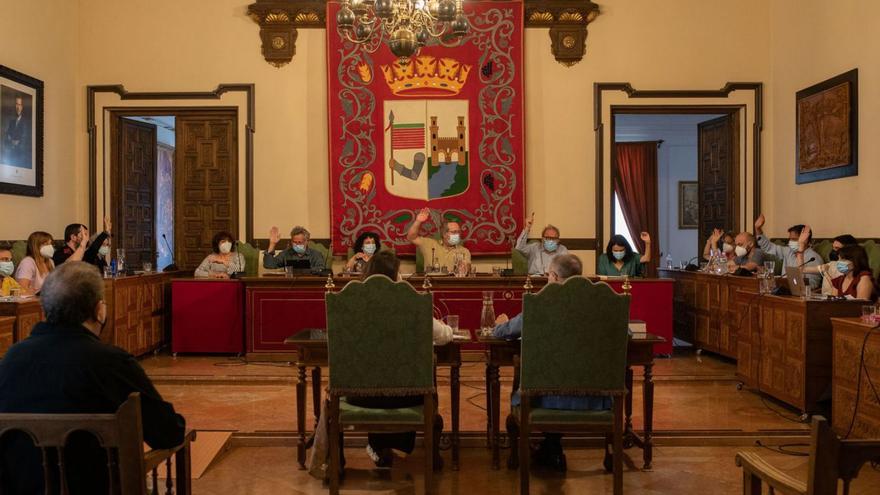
(639, 352)
(785, 345)
(850, 336)
(706, 309)
(7, 330)
(277, 307)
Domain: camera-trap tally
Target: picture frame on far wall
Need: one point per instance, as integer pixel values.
(688, 204)
(827, 137)
(21, 133)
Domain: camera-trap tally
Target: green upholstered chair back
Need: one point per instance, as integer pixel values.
(519, 262)
(380, 339)
(873, 250)
(324, 250)
(574, 339)
(251, 258)
(823, 248)
(19, 251)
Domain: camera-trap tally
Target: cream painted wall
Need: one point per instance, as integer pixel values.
(811, 43)
(40, 41)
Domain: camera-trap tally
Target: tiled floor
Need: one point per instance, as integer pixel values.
(678, 470)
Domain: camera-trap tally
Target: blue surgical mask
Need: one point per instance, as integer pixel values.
(299, 248)
(454, 239)
(6, 268)
(794, 245)
(369, 249)
(551, 244)
(619, 255)
(843, 267)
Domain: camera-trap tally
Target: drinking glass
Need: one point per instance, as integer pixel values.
(108, 272)
(682, 264)
(770, 266)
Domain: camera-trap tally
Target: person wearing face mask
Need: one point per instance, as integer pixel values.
(34, 267)
(619, 259)
(365, 246)
(223, 261)
(78, 247)
(747, 255)
(298, 250)
(540, 254)
(102, 256)
(721, 241)
(838, 242)
(788, 253)
(850, 273)
(829, 270)
(446, 250)
(64, 368)
(7, 282)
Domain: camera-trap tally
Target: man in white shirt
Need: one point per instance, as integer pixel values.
(540, 254)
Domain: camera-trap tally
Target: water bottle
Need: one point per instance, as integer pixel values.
(668, 261)
(487, 318)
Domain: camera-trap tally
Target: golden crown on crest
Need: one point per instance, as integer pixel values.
(426, 76)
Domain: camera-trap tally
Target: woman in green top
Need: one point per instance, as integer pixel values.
(619, 259)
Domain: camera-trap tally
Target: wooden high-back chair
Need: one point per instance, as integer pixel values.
(120, 434)
(831, 458)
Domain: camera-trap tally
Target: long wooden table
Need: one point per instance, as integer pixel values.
(277, 306)
(136, 312)
(311, 352)
(706, 309)
(785, 345)
(501, 353)
(851, 336)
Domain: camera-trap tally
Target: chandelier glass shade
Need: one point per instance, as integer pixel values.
(405, 25)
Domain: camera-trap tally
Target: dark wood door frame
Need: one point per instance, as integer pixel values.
(125, 95)
(599, 130)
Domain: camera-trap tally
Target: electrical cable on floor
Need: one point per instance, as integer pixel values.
(781, 415)
(783, 449)
(240, 361)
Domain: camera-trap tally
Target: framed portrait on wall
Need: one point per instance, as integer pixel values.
(828, 129)
(688, 205)
(21, 133)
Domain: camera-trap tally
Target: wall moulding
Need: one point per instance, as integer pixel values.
(280, 19)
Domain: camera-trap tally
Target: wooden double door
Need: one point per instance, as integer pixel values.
(205, 182)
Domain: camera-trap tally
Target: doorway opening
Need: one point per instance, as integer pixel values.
(695, 187)
(173, 182)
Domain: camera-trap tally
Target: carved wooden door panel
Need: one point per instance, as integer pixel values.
(134, 193)
(206, 183)
(718, 152)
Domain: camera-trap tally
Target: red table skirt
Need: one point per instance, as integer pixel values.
(206, 316)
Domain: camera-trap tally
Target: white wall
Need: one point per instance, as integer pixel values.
(676, 161)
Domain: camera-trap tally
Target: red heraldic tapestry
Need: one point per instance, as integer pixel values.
(443, 131)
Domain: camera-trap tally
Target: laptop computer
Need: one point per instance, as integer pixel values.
(796, 280)
(298, 266)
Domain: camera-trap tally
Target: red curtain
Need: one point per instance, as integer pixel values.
(635, 181)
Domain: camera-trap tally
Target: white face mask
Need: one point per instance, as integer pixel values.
(727, 247)
(225, 247)
(741, 251)
(369, 249)
(47, 251)
(104, 250)
(6, 268)
(794, 245)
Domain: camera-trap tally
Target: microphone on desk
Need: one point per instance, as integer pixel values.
(808, 261)
(173, 266)
(690, 267)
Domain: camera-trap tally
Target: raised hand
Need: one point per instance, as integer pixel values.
(804, 237)
(274, 237)
(759, 222)
(645, 237)
(423, 215)
(108, 225)
(530, 220)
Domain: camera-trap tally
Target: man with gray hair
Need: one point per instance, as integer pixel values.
(64, 368)
(563, 267)
(540, 254)
(299, 250)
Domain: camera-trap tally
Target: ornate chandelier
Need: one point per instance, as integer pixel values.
(406, 25)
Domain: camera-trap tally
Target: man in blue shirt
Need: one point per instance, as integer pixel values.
(550, 453)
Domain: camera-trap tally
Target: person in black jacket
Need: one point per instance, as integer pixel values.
(77, 246)
(63, 367)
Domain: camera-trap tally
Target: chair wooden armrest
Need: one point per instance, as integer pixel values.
(755, 466)
(153, 458)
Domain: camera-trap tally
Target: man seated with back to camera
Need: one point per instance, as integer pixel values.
(788, 253)
(549, 453)
(64, 368)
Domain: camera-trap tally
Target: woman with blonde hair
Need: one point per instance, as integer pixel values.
(34, 267)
